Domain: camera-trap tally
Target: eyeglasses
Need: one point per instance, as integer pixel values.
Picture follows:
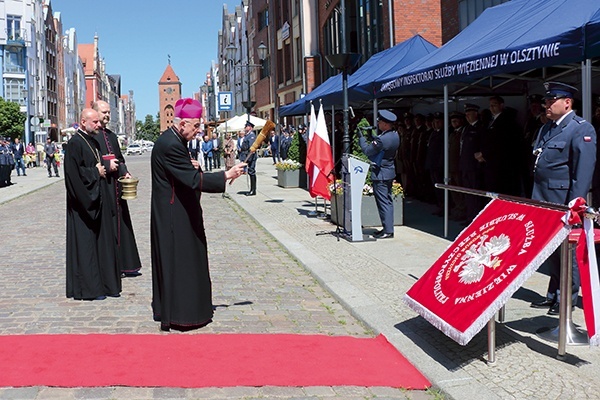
(196, 125)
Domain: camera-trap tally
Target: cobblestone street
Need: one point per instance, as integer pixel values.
(258, 288)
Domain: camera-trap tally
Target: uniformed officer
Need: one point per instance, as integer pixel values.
(565, 159)
(381, 152)
(249, 157)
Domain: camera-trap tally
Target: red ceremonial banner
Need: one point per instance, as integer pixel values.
(485, 265)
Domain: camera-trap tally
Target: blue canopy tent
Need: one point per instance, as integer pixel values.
(509, 49)
(360, 83)
(516, 36)
(302, 105)
(592, 36)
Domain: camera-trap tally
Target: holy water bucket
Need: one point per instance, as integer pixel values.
(129, 188)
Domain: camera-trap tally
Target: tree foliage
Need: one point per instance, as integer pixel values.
(12, 120)
(149, 129)
(294, 151)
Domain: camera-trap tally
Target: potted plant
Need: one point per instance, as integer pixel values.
(288, 173)
(368, 212)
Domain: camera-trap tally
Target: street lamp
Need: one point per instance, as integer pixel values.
(262, 55)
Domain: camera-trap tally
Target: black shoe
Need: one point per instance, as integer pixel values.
(251, 194)
(378, 232)
(130, 274)
(546, 303)
(383, 235)
(100, 298)
(555, 309)
(24, 174)
(114, 295)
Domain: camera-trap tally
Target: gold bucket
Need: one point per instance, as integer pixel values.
(129, 188)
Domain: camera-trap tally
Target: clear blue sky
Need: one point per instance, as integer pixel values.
(135, 37)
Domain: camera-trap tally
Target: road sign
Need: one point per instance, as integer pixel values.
(225, 103)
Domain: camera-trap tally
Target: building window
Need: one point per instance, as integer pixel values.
(13, 27)
(298, 57)
(366, 34)
(13, 60)
(331, 39)
(14, 90)
(263, 19)
(265, 70)
(469, 10)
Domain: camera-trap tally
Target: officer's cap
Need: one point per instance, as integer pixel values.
(387, 116)
(558, 90)
(457, 114)
(250, 124)
(438, 115)
(408, 115)
(471, 107)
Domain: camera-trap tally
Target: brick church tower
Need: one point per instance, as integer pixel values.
(169, 91)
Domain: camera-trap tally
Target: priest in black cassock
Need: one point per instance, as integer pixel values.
(181, 287)
(127, 250)
(92, 270)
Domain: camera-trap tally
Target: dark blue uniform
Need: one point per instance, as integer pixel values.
(382, 152)
(566, 157)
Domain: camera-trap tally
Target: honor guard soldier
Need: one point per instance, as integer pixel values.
(381, 152)
(565, 153)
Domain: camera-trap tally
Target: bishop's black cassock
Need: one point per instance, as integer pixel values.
(127, 250)
(92, 269)
(181, 287)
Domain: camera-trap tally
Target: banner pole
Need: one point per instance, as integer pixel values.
(517, 199)
(491, 341)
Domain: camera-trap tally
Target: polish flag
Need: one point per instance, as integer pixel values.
(308, 165)
(319, 152)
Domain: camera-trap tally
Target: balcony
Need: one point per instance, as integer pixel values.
(15, 40)
(13, 69)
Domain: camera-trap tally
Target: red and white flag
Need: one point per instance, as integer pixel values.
(308, 165)
(485, 265)
(585, 253)
(319, 153)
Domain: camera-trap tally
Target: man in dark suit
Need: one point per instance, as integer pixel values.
(249, 157)
(434, 161)
(469, 166)
(382, 152)
(194, 148)
(216, 150)
(18, 150)
(565, 159)
(498, 147)
(274, 144)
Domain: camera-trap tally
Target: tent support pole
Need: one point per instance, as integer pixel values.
(586, 89)
(446, 179)
(374, 123)
(391, 22)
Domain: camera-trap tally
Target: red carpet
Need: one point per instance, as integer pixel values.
(203, 361)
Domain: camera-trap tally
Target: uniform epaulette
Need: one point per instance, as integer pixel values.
(579, 119)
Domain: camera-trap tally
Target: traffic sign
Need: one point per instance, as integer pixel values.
(225, 103)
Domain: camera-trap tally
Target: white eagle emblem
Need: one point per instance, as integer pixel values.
(480, 255)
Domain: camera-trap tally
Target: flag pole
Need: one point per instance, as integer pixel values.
(517, 199)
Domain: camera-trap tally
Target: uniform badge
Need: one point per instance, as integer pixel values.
(587, 138)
